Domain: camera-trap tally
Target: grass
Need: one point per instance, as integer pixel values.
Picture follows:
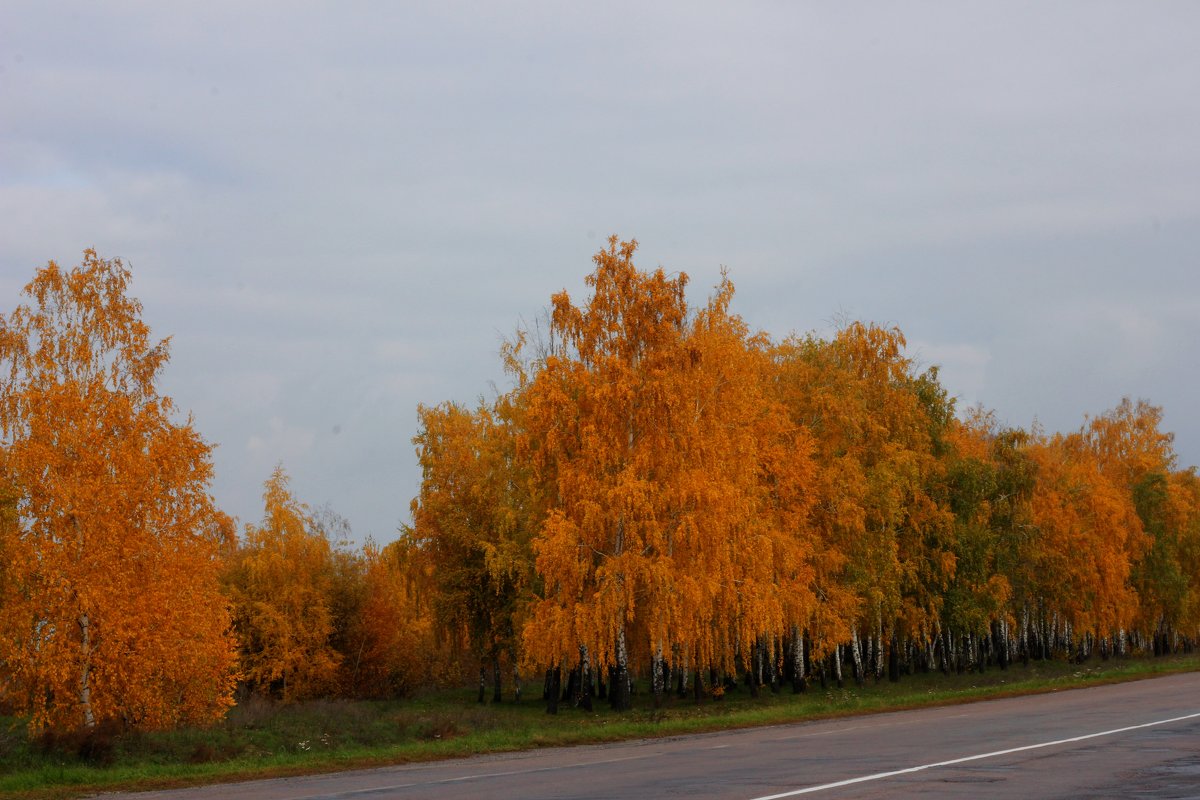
(259, 739)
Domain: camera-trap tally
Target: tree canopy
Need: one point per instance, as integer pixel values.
(664, 493)
(111, 608)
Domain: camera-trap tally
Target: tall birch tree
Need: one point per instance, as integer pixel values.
(111, 608)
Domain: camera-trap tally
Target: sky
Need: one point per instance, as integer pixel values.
(339, 211)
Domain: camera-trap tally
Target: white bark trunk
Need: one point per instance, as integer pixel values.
(85, 670)
(656, 663)
(856, 651)
(796, 645)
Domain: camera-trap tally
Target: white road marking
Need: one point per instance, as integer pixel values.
(880, 775)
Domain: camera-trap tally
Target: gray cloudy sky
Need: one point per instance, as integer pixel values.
(337, 210)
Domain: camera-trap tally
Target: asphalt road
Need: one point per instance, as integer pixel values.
(1129, 740)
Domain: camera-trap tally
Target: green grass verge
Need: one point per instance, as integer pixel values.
(262, 740)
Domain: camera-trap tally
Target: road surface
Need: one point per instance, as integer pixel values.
(1130, 740)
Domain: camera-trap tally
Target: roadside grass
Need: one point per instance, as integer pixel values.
(260, 739)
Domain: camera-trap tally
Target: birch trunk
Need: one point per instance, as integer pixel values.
(754, 669)
(85, 645)
(797, 661)
(681, 674)
(85, 670)
(497, 696)
(1024, 635)
(618, 693)
(656, 675)
(878, 643)
(856, 652)
(773, 665)
(585, 680)
(1005, 652)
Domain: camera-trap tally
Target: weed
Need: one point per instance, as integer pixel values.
(252, 713)
(202, 754)
(94, 746)
(437, 726)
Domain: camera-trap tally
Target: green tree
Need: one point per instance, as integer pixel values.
(470, 522)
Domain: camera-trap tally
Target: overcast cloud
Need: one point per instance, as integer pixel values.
(337, 211)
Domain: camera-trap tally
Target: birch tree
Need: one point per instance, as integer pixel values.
(112, 608)
(599, 407)
(470, 524)
(281, 582)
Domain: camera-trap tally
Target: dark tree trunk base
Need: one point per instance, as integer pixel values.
(553, 682)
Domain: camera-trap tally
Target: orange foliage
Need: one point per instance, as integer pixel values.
(662, 486)
(111, 606)
(695, 494)
(677, 489)
(598, 424)
(885, 537)
(470, 525)
(396, 651)
(281, 582)
(1089, 535)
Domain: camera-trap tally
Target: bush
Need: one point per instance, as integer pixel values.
(95, 746)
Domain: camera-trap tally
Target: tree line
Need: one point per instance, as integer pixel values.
(662, 494)
(666, 492)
